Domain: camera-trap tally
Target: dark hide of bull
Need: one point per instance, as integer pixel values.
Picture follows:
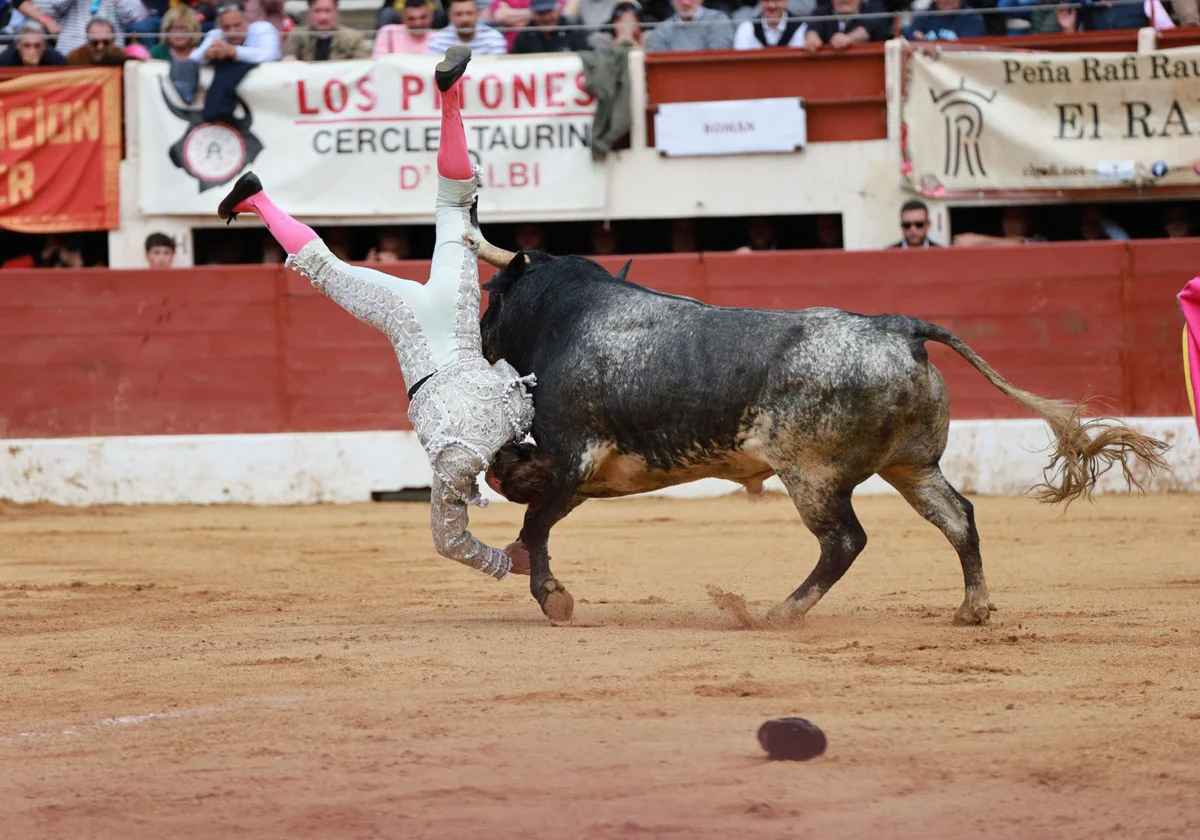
(638, 390)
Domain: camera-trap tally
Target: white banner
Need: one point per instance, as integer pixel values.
(360, 138)
(980, 122)
(735, 127)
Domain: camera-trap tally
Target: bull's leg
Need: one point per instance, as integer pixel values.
(554, 599)
(926, 489)
(824, 506)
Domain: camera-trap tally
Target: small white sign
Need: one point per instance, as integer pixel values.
(734, 127)
(1120, 170)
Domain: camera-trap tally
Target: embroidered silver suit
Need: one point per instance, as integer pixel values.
(467, 409)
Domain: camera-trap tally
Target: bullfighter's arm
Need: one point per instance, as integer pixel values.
(454, 483)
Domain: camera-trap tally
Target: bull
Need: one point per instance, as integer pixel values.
(639, 390)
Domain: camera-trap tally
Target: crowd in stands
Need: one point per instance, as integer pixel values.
(243, 33)
(993, 226)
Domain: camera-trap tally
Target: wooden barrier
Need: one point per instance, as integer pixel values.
(255, 349)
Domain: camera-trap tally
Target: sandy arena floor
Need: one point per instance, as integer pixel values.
(321, 673)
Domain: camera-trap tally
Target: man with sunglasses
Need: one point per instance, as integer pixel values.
(462, 409)
(914, 222)
(100, 47)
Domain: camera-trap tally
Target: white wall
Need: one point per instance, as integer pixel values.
(983, 457)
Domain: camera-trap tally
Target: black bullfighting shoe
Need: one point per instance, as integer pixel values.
(451, 68)
(248, 185)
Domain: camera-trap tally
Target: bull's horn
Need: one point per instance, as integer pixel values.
(488, 252)
(621, 275)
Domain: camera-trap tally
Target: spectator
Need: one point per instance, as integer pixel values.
(31, 12)
(465, 28)
(1014, 223)
(1093, 225)
(73, 16)
(855, 23)
(1107, 14)
(411, 35)
(545, 33)
(29, 48)
(61, 251)
(270, 11)
(272, 252)
(625, 27)
(100, 47)
(683, 236)
(829, 230)
(1177, 221)
(760, 236)
(1188, 12)
(770, 28)
(603, 238)
(508, 16)
(530, 237)
(914, 224)
(955, 21)
(180, 34)
(234, 48)
(692, 27)
(392, 12)
(326, 39)
(160, 249)
(391, 246)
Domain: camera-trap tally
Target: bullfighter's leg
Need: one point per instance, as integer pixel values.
(824, 506)
(554, 599)
(930, 494)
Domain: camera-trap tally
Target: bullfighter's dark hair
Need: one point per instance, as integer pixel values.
(524, 473)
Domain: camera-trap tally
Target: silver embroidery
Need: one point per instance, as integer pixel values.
(462, 416)
(465, 411)
(381, 308)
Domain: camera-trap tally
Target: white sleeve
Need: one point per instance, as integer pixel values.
(798, 38)
(744, 38)
(262, 44)
(198, 53)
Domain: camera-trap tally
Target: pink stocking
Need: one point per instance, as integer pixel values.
(453, 162)
(289, 233)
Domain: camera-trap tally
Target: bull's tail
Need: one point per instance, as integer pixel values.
(1083, 451)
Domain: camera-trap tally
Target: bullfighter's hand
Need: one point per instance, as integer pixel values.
(519, 555)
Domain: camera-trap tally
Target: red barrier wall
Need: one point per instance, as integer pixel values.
(256, 349)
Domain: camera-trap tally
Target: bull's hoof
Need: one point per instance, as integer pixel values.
(785, 615)
(557, 603)
(974, 613)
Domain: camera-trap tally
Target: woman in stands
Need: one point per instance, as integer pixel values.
(462, 409)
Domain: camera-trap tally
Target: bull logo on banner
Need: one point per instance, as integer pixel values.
(213, 152)
(964, 127)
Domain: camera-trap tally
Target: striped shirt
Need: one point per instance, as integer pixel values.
(73, 17)
(487, 41)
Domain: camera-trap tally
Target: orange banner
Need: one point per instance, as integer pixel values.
(60, 146)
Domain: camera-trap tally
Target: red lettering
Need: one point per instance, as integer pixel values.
(554, 90)
(410, 86)
(491, 91)
(366, 90)
(587, 98)
(302, 100)
(336, 95)
(410, 177)
(518, 175)
(524, 88)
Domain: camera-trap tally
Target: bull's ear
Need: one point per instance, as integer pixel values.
(503, 279)
(621, 275)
